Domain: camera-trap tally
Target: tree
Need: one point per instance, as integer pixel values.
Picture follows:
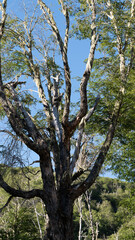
(49, 132)
(105, 79)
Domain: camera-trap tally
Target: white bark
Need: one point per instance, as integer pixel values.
(84, 81)
(80, 217)
(63, 48)
(3, 6)
(55, 104)
(88, 200)
(38, 222)
(80, 134)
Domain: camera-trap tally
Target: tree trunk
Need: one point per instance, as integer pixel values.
(60, 225)
(58, 201)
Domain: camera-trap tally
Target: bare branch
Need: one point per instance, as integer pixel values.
(66, 66)
(27, 117)
(37, 216)
(129, 24)
(80, 134)
(36, 72)
(80, 206)
(49, 17)
(77, 174)
(41, 92)
(132, 53)
(8, 201)
(23, 119)
(14, 117)
(55, 103)
(20, 193)
(88, 200)
(3, 7)
(132, 57)
(63, 48)
(65, 13)
(26, 46)
(14, 84)
(10, 133)
(87, 73)
(36, 161)
(119, 40)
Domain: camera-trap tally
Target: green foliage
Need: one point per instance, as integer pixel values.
(13, 59)
(112, 204)
(112, 207)
(127, 231)
(19, 220)
(106, 81)
(2, 113)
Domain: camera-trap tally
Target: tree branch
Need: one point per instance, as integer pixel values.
(87, 73)
(10, 133)
(3, 7)
(80, 134)
(132, 53)
(35, 70)
(26, 46)
(8, 201)
(20, 193)
(66, 65)
(63, 48)
(55, 103)
(80, 188)
(2, 26)
(83, 186)
(49, 17)
(41, 92)
(127, 36)
(119, 40)
(24, 121)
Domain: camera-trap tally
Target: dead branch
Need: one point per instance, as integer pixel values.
(8, 201)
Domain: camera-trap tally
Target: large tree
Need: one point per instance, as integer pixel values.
(51, 131)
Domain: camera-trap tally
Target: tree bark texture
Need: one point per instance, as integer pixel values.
(60, 225)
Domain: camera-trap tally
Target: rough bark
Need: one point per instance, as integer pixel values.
(60, 226)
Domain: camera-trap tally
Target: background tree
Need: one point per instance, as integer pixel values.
(32, 56)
